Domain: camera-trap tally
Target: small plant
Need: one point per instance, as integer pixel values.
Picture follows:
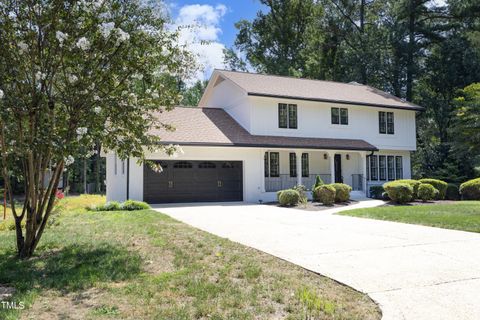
(288, 197)
(109, 206)
(399, 192)
(342, 192)
(318, 183)
(376, 192)
(131, 205)
(314, 305)
(427, 192)
(325, 194)
(470, 190)
(452, 192)
(440, 185)
(302, 191)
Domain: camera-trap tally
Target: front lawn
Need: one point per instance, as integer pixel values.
(461, 215)
(145, 265)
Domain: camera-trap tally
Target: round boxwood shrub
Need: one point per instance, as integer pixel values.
(288, 197)
(414, 184)
(440, 185)
(470, 190)
(325, 194)
(427, 192)
(131, 205)
(452, 192)
(342, 192)
(399, 192)
(376, 192)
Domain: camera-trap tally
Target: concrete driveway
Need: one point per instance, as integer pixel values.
(413, 272)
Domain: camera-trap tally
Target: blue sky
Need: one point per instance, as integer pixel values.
(211, 21)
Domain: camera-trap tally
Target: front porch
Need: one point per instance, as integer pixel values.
(283, 169)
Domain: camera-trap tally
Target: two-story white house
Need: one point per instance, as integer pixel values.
(255, 134)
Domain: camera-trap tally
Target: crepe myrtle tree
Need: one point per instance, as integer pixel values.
(73, 74)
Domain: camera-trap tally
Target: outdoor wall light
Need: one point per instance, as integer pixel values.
(348, 157)
(325, 156)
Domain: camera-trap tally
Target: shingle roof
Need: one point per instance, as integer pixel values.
(316, 90)
(215, 127)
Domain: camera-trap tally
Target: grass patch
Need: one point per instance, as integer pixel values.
(145, 265)
(462, 215)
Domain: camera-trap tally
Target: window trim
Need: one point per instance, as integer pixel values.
(305, 165)
(287, 116)
(293, 164)
(337, 119)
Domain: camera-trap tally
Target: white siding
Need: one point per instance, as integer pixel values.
(314, 120)
(116, 182)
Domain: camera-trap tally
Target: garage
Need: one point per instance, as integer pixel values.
(193, 181)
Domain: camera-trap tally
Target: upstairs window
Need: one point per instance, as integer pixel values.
(340, 116)
(305, 169)
(386, 122)
(287, 116)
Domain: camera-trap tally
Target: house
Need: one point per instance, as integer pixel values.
(255, 134)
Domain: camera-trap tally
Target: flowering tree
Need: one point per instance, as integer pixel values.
(73, 74)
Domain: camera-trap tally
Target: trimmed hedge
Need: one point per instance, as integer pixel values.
(326, 194)
(413, 183)
(318, 182)
(427, 192)
(288, 197)
(470, 190)
(109, 206)
(452, 192)
(131, 205)
(376, 192)
(342, 192)
(399, 192)
(440, 185)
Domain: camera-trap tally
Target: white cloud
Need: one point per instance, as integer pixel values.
(200, 31)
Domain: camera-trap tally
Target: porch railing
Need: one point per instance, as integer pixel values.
(284, 181)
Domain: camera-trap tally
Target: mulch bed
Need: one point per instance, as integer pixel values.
(315, 206)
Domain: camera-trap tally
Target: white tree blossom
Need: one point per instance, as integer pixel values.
(97, 110)
(23, 46)
(122, 36)
(61, 37)
(69, 161)
(82, 131)
(106, 28)
(83, 44)
(1, 94)
(72, 78)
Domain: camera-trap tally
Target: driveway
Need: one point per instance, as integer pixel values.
(413, 272)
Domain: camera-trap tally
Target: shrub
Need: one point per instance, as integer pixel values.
(470, 190)
(318, 182)
(131, 205)
(326, 194)
(342, 192)
(399, 192)
(413, 183)
(302, 191)
(440, 185)
(452, 192)
(376, 192)
(288, 197)
(109, 206)
(427, 192)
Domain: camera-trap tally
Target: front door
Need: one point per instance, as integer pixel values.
(338, 168)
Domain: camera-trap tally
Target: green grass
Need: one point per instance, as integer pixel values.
(462, 215)
(145, 265)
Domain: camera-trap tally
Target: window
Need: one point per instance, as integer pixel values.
(373, 167)
(266, 164)
(183, 165)
(390, 125)
(305, 169)
(206, 165)
(399, 167)
(293, 164)
(287, 116)
(382, 164)
(340, 116)
(227, 165)
(386, 122)
(274, 164)
(391, 167)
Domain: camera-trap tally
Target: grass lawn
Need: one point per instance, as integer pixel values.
(145, 265)
(461, 215)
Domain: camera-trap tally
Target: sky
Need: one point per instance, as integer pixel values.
(211, 27)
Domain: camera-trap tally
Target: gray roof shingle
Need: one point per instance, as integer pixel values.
(315, 90)
(215, 127)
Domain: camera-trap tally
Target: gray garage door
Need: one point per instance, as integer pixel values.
(193, 181)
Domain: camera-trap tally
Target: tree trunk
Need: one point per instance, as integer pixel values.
(85, 185)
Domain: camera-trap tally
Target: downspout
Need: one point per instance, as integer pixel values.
(128, 178)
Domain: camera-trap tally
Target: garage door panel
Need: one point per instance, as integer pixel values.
(194, 181)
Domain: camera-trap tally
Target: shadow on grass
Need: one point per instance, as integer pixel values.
(70, 269)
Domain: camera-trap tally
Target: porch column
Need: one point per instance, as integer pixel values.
(298, 156)
(363, 170)
(262, 157)
(331, 157)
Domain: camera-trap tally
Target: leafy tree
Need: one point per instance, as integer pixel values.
(192, 95)
(467, 118)
(73, 74)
